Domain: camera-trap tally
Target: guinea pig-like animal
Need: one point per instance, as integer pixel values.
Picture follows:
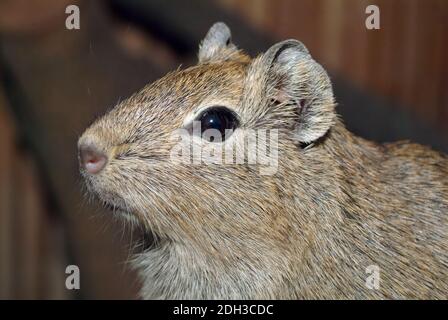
(253, 188)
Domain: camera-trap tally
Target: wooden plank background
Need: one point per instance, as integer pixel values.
(405, 61)
(32, 257)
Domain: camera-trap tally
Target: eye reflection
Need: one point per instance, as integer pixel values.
(217, 120)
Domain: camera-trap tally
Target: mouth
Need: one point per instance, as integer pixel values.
(121, 211)
(113, 203)
(145, 238)
(113, 207)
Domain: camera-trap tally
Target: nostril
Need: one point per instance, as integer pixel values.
(91, 159)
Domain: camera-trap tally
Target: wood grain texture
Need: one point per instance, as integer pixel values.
(404, 61)
(31, 267)
(6, 159)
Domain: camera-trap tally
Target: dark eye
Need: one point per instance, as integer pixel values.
(222, 120)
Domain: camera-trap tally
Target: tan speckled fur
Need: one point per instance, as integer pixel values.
(336, 205)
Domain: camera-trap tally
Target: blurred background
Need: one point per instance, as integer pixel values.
(390, 84)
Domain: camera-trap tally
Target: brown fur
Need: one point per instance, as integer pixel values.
(336, 205)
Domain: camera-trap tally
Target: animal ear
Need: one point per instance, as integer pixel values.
(299, 88)
(217, 44)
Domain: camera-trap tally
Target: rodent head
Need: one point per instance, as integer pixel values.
(127, 155)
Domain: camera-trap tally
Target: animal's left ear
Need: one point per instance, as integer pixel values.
(217, 45)
(295, 89)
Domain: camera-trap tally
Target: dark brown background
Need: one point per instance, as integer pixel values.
(390, 84)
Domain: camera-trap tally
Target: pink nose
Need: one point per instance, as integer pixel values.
(91, 159)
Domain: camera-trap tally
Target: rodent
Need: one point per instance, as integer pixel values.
(336, 205)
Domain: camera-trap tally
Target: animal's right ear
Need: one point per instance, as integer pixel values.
(217, 45)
